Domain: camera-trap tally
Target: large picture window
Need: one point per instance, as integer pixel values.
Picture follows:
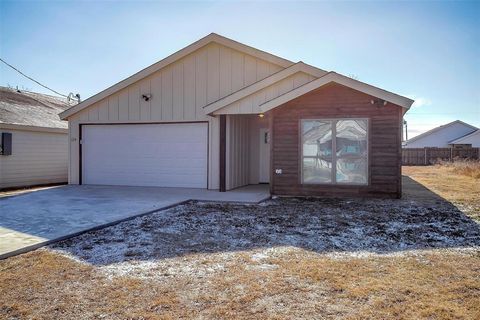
(334, 151)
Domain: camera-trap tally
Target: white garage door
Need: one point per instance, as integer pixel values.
(162, 155)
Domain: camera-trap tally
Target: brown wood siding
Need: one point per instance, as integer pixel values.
(331, 102)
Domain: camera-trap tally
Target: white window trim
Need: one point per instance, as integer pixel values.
(333, 177)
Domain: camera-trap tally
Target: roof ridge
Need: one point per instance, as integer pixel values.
(168, 60)
(28, 91)
(421, 135)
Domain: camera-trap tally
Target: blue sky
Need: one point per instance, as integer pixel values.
(426, 50)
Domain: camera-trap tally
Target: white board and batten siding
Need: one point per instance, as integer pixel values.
(179, 92)
(238, 151)
(251, 103)
(38, 157)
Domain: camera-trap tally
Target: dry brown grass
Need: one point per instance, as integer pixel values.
(43, 285)
(262, 283)
(302, 284)
(469, 168)
(462, 189)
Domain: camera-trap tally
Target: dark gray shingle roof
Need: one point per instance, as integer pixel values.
(32, 109)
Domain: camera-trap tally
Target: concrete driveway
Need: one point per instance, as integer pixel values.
(30, 220)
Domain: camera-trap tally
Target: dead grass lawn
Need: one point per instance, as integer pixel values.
(126, 271)
(432, 285)
(462, 190)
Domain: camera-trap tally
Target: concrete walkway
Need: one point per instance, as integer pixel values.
(31, 220)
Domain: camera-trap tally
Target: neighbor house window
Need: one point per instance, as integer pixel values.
(334, 151)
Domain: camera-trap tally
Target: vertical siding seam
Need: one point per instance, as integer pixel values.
(139, 93)
(171, 94)
(218, 75)
(162, 74)
(231, 71)
(183, 89)
(244, 70)
(150, 102)
(183, 100)
(128, 104)
(206, 78)
(195, 85)
(108, 109)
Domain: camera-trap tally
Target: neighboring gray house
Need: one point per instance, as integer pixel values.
(453, 134)
(33, 139)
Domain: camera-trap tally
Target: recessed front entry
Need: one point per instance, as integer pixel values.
(161, 155)
(264, 172)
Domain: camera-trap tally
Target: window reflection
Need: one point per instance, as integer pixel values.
(349, 139)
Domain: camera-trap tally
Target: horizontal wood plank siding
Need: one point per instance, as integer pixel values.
(337, 101)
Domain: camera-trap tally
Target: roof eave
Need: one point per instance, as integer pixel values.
(24, 127)
(262, 84)
(426, 133)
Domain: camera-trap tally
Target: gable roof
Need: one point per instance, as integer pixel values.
(429, 132)
(340, 79)
(24, 108)
(462, 138)
(254, 87)
(212, 37)
(289, 68)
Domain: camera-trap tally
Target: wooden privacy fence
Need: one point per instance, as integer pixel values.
(427, 156)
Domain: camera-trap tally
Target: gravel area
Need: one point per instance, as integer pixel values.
(165, 240)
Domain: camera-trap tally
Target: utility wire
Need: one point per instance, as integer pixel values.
(30, 78)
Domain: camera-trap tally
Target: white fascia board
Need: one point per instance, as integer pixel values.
(261, 84)
(171, 59)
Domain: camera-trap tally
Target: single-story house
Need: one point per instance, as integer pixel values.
(219, 114)
(454, 134)
(33, 139)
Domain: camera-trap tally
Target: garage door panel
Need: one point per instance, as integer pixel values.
(167, 155)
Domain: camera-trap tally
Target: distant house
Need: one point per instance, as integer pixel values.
(469, 140)
(33, 139)
(453, 134)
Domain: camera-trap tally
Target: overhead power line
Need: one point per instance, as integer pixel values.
(30, 78)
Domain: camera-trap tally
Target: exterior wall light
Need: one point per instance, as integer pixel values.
(379, 103)
(261, 115)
